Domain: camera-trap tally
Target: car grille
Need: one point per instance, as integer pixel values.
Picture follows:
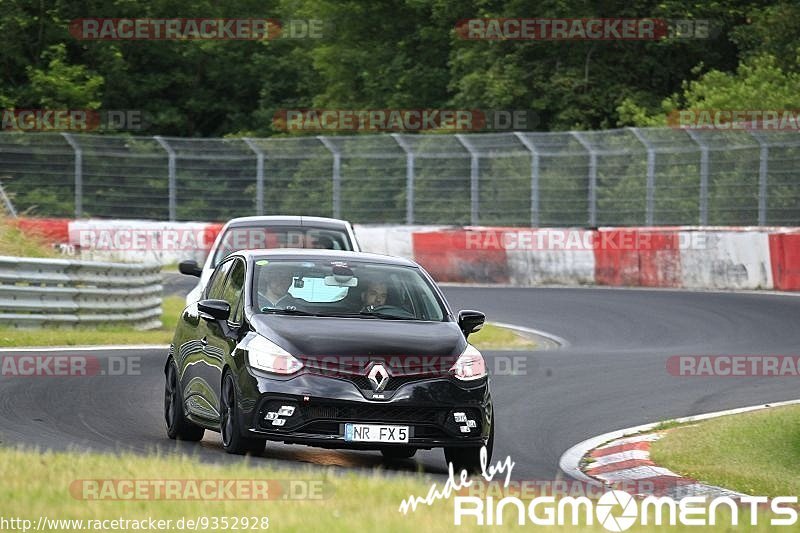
(375, 413)
(325, 419)
(394, 383)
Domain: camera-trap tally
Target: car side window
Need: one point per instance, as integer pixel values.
(233, 290)
(217, 281)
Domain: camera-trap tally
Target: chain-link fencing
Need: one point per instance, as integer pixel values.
(631, 176)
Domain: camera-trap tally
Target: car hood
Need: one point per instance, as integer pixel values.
(320, 336)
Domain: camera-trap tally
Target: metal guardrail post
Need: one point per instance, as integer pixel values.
(172, 181)
(474, 172)
(337, 175)
(703, 175)
(592, 200)
(78, 173)
(534, 177)
(259, 174)
(763, 168)
(7, 202)
(409, 176)
(650, 186)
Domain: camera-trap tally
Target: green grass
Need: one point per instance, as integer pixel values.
(16, 243)
(37, 484)
(94, 335)
(492, 337)
(755, 453)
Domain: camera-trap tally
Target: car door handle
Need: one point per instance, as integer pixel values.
(204, 341)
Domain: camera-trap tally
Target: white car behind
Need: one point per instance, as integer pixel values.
(270, 232)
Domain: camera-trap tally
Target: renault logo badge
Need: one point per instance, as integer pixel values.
(378, 377)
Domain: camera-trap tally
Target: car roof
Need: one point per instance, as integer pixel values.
(282, 220)
(329, 255)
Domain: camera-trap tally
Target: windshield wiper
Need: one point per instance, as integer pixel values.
(386, 316)
(296, 312)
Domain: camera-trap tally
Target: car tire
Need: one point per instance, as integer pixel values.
(469, 458)
(232, 439)
(399, 452)
(178, 428)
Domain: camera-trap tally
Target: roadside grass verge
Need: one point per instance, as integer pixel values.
(15, 242)
(94, 335)
(52, 485)
(492, 337)
(489, 338)
(755, 453)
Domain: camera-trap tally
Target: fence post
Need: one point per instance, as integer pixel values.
(172, 181)
(409, 176)
(763, 167)
(78, 173)
(703, 175)
(592, 176)
(534, 177)
(259, 174)
(650, 187)
(7, 202)
(474, 169)
(337, 175)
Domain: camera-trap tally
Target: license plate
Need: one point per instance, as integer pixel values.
(375, 433)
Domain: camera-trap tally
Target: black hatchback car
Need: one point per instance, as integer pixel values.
(330, 349)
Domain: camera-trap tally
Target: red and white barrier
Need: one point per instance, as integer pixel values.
(142, 240)
(784, 252)
(727, 260)
(676, 257)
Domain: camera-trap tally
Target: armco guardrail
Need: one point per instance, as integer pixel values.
(35, 292)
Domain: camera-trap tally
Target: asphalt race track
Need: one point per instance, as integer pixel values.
(611, 375)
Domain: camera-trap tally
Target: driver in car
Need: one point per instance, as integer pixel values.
(274, 288)
(374, 295)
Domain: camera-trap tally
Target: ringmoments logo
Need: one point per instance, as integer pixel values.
(619, 511)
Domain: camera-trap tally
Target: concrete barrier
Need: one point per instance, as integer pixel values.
(142, 240)
(674, 257)
(549, 257)
(728, 260)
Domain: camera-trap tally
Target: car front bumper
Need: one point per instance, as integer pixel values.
(439, 412)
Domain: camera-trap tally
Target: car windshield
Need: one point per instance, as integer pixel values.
(253, 237)
(344, 288)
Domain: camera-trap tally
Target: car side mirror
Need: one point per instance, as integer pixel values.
(214, 309)
(470, 321)
(190, 268)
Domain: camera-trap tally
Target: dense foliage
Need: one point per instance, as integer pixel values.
(397, 54)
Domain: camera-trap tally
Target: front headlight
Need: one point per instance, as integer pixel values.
(267, 356)
(469, 365)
